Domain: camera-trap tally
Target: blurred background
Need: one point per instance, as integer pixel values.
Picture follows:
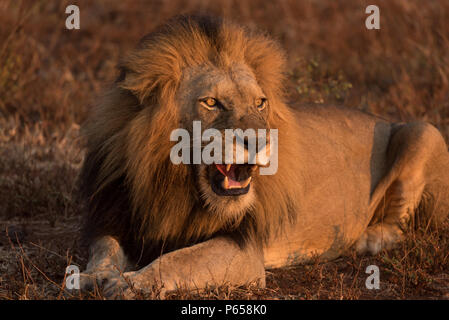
(50, 77)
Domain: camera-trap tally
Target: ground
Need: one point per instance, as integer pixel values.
(51, 76)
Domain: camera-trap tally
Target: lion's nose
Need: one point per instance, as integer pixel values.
(263, 154)
(246, 141)
(259, 154)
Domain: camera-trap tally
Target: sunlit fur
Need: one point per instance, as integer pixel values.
(133, 191)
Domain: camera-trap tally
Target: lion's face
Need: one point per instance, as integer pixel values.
(221, 100)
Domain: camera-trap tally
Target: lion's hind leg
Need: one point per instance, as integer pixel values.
(392, 218)
(420, 161)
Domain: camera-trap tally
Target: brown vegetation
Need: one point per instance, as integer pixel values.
(50, 76)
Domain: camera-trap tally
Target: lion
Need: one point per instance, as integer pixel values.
(345, 179)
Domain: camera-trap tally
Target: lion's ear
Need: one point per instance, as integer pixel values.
(131, 81)
(135, 84)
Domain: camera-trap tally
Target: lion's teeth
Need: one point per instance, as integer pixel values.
(228, 167)
(226, 183)
(235, 185)
(246, 183)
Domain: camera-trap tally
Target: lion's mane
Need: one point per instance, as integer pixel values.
(131, 189)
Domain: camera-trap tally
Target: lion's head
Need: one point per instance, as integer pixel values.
(191, 69)
(226, 98)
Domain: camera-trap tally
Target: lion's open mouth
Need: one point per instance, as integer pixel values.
(231, 179)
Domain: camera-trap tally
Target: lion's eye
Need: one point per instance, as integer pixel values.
(261, 103)
(209, 103)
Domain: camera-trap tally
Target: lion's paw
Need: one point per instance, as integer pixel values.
(378, 237)
(120, 287)
(131, 285)
(91, 280)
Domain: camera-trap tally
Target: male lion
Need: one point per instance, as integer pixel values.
(344, 178)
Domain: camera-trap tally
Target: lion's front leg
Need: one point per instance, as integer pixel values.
(214, 262)
(107, 261)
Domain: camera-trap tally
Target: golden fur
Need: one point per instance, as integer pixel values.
(129, 145)
(344, 178)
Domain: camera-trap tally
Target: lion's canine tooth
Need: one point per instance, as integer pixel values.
(246, 183)
(226, 183)
(228, 167)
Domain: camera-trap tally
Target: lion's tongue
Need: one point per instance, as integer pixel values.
(232, 182)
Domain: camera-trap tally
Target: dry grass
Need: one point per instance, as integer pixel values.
(50, 76)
